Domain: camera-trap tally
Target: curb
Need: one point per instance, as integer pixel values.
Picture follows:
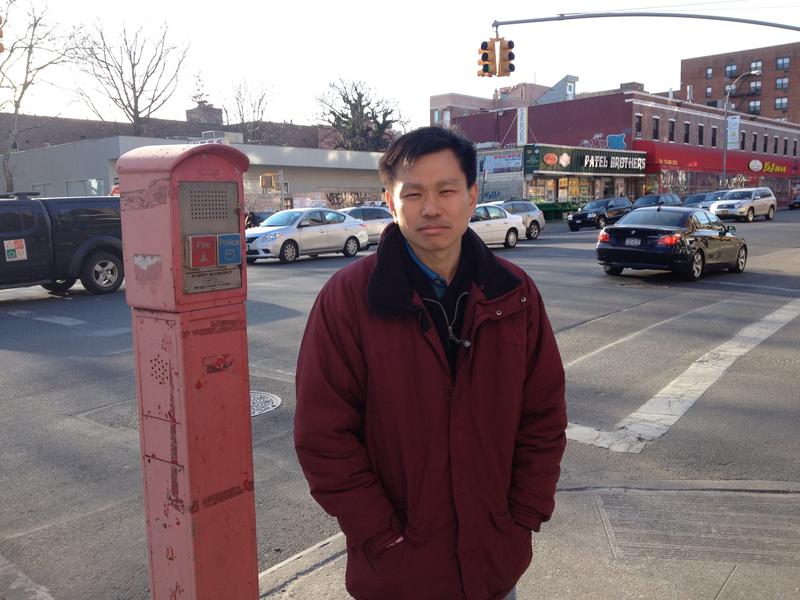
(293, 568)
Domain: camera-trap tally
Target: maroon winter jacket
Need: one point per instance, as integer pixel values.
(391, 443)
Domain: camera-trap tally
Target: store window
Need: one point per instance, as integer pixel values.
(713, 136)
(700, 134)
(782, 62)
(671, 130)
(730, 71)
(754, 107)
(709, 73)
(755, 65)
(782, 83)
(781, 103)
(638, 126)
(656, 121)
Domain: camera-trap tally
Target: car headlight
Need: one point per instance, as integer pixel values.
(591, 215)
(271, 237)
(569, 217)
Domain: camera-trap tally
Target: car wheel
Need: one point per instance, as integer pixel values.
(573, 228)
(741, 261)
(771, 213)
(251, 261)
(533, 231)
(697, 265)
(288, 252)
(102, 273)
(511, 238)
(350, 247)
(59, 286)
(612, 270)
(750, 215)
(601, 222)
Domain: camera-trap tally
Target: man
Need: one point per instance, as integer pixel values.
(430, 394)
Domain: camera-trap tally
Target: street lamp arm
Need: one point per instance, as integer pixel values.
(600, 15)
(756, 73)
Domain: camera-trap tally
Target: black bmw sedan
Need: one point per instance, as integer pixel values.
(688, 241)
(598, 213)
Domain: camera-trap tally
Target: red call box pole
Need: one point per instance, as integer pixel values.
(182, 224)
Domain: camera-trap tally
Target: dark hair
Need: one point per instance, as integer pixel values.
(427, 140)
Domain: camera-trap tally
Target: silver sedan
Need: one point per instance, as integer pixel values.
(495, 225)
(376, 218)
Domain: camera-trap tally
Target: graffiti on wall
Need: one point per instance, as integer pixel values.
(351, 198)
(615, 141)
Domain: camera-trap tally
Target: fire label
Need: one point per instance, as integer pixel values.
(202, 251)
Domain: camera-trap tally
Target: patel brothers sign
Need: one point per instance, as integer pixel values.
(590, 161)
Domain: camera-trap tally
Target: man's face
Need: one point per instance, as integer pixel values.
(432, 203)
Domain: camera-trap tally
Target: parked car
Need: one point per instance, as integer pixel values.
(794, 202)
(288, 234)
(657, 200)
(495, 225)
(746, 204)
(532, 215)
(703, 199)
(598, 213)
(688, 241)
(53, 242)
(375, 218)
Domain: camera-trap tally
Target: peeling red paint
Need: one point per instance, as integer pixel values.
(221, 326)
(170, 553)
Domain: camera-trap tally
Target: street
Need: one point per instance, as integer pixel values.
(70, 487)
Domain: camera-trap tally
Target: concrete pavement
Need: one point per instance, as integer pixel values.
(681, 540)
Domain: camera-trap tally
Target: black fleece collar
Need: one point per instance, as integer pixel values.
(390, 292)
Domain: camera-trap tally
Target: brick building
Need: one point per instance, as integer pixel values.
(683, 143)
(774, 94)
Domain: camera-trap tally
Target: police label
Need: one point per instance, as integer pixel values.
(229, 249)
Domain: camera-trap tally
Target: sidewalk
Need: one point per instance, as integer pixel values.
(678, 540)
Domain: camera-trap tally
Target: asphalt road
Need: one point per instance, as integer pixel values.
(71, 517)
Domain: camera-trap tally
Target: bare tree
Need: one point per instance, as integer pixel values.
(247, 110)
(360, 120)
(35, 46)
(138, 75)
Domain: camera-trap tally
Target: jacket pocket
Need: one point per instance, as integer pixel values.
(503, 521)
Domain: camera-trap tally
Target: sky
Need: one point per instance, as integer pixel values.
(407, 51)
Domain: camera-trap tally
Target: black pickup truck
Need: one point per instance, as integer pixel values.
(53, 242)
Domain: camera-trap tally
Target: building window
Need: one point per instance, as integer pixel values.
(782, 62)
(713, 136)
(755, 65)
(712, 103)
(672, 130)
(700, 134)
(446, 115)
(656, 121)
(709, 91)
(437, 117)
(742, 138)
(730, 71)
(766, 141)
(686, 132)
(755, 87)
(775, 146)
(794, 148)
(755, 141)
(782, 83)
(754, 107)
(781, 103)
(785, 146)
(638, 126)
(709, 73)
(96, 187)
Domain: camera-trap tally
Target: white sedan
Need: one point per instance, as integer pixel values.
(495, 225)
(376, 218)
(288, 234)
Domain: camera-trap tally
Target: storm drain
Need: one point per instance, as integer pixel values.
(715, 526)
(263, 402)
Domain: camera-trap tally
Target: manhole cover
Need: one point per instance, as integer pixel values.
(263, 402)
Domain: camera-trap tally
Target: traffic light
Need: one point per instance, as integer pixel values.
(488, 59)
(505, 66)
